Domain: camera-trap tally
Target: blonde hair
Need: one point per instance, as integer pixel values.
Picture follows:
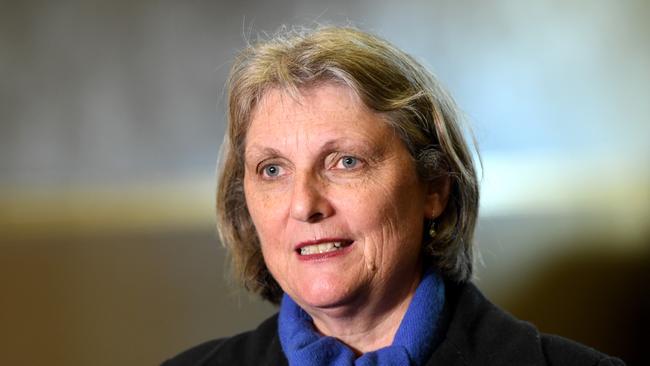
(389, 82)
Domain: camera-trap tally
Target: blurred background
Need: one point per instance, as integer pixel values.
(111, 116)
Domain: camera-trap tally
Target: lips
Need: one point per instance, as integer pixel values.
(322, 246)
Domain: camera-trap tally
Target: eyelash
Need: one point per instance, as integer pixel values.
(339, 165)
(341, 161)
(264, 171)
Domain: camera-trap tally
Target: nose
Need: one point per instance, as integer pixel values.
(309, 202)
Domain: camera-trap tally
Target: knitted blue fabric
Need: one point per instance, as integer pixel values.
(416, 338)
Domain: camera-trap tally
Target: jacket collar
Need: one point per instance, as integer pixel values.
(478, 332)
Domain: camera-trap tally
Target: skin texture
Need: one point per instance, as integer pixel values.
(324, 166)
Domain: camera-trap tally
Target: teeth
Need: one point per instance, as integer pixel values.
(320, 248)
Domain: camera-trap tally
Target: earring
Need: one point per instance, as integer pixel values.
(432, 229)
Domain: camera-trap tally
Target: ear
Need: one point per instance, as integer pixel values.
(436, 197)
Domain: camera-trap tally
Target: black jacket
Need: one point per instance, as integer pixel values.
(478, 333)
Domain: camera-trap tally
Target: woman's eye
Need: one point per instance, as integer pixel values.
(271, 170)
(348, 162)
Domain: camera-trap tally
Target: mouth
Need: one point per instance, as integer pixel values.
(322, 246)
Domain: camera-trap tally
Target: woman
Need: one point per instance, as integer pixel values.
(349, 197)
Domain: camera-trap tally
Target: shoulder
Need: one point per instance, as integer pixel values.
(562, 351)
(479, 332)
(257, 347)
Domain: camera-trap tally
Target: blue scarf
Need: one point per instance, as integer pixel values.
(416, 338)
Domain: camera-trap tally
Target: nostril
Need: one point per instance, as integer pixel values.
(316, 217)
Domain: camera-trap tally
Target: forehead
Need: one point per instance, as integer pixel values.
(324, 99)
(314, 112)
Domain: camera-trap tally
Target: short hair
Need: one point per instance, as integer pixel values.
(389, 82)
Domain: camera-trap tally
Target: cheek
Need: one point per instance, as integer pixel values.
(262, 206)
(268, 218)
(388, 214)
(383, 202)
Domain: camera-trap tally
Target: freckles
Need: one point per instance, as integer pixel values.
(267, 202)
(375, 202)
(386, 206)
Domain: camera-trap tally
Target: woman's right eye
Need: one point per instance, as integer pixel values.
(271, 171)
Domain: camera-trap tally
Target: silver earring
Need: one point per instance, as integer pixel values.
(432, 229)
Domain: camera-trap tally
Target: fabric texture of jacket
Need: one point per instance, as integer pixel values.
(478, 333)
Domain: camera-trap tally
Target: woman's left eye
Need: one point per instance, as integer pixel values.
(348, 162)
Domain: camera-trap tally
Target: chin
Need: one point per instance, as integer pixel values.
(325, 294)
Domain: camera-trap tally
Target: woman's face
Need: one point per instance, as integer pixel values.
(335, 198)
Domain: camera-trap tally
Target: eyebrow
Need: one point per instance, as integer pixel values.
(254, 151)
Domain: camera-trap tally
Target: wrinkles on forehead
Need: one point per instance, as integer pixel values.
(286, 122)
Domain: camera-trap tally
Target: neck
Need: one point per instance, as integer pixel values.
(371, 322)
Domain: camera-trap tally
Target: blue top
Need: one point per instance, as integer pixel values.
(416, 338)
